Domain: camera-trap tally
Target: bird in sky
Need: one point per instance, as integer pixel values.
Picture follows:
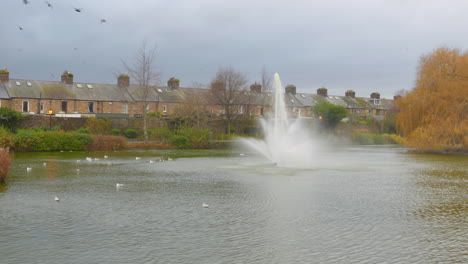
(48, 4)
(25, 2)
(20, 28)
(103, 21)
(78, 9)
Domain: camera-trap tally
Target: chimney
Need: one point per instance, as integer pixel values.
(4, 76)
(351, 93)
(291, 88)
(375, 96)
(173, 83)
(67, 77)
(123, 80)
(322, 91)
(256, 87)
(217, 86)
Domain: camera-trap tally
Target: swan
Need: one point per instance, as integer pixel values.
(151, 161)
(137, 158)
(28, 169)
(105, 156)
(118, 185)
(57, 199)
(204, 205)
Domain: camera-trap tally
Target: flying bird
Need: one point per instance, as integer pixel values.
(78, 9)
(20, 28)
(48, 4)
(25, 2)
(103, 21)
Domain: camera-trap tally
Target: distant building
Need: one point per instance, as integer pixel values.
(70, 98)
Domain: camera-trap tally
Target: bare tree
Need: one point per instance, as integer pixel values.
(143, 73)
(267, 87)
(267, 81)
(192, 112)
(227, 92)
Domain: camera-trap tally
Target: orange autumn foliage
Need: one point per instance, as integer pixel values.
(433, 116)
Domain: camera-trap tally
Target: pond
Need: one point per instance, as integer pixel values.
(374, 204)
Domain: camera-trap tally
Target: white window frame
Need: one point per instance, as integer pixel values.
(164, 108)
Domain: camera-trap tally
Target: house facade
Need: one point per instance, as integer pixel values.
(69, 98)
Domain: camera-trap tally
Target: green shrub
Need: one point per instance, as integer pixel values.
(31, 140)
(6, 138)
(162, 134)
(83, 130)
(10, 119)
(180, 141)
(130, 133)
(115, 132)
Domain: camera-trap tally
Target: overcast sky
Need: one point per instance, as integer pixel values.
(364, 45)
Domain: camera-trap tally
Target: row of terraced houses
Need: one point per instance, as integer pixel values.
(68, 98)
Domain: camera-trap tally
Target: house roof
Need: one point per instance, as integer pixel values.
(3, 92)
(22, 88)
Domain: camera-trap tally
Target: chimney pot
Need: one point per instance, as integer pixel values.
(67, 77)
(291, 89)
(4, 76)
(256, 87)
(350, 93)
(173, 83)
(322, 91)
(123, 80)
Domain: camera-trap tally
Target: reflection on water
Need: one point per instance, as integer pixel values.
(358, 205)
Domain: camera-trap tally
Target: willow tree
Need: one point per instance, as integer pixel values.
(433, 115)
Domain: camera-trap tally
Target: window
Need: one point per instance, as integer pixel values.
(41, 107)
(147, 107)
(241, 109)
(124, 108)
(164, 108)
(91, 107)
(25, 106)
(64, 106)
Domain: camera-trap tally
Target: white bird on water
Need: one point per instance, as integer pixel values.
(204, 205)
(57, 199)
(137, 158)
(28, 169)
(44, 164)
(118, 185)
(105, 156)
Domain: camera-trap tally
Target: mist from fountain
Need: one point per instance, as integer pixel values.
(286, 143)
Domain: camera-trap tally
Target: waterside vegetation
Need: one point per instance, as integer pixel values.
(433, 115)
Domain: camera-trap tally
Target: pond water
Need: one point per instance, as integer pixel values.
(355, 205)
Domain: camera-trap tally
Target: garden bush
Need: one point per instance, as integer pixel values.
(115, 132)
(10, 119)
(130, 133)
(6, 138)
(31, 140)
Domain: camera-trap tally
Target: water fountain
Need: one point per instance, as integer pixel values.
(287, 143)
